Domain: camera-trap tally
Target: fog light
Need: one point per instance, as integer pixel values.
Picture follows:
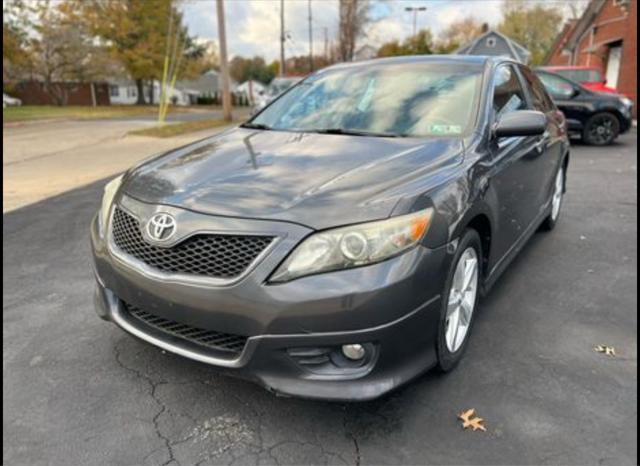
(354, 352)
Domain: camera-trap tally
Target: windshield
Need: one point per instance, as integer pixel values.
(582, 76)
(279, 86)
(407, 99)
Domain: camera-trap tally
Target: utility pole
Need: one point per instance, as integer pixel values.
(310, 40)
(282, 38)
(224, 66)
(326, 43)
(415, 11)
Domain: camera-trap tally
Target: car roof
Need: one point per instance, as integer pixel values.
(441, 59)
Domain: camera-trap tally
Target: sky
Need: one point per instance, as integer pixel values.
(253, 26)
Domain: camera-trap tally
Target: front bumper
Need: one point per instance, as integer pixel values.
(392, 307)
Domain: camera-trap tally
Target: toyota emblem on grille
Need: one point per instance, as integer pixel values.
(161, 227)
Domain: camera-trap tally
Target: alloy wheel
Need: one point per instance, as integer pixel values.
(556, 201)
(462, 299)
(602, 130)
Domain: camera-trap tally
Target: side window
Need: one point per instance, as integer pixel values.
(508, 95)
(541, 100)
(557, 86)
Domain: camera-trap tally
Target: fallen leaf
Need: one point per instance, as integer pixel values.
(468, 421)
(608, 350)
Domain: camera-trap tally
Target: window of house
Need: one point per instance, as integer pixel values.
(491, 42)
(132, 92)
(114, 91)
(508, 95)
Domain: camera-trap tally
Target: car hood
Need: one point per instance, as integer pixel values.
(317, 180)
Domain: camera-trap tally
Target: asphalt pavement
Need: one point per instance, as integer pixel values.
(79, 391)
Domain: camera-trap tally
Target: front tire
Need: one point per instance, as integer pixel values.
(556, 201)
(601, 129)
(459, 301)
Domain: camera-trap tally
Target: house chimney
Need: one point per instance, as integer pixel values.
(485, 27)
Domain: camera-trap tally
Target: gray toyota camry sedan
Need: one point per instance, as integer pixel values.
(336, 245)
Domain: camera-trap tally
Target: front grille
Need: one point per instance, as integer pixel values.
(219, 341)
(210, 255)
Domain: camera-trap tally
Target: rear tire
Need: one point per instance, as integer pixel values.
(450, 344)
(601, 129)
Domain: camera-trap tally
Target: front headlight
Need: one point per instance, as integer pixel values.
(353, 246)
(107, 199)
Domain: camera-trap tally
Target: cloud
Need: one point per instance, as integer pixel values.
(253, 26)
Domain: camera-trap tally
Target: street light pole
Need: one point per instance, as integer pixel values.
(415, 11)
(310, 40)
(282, 38)
(224, 66)
(326, 43)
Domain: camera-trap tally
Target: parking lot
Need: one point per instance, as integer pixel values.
(78, 390)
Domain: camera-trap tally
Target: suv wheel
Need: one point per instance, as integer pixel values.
(601, 129)
(459, 301)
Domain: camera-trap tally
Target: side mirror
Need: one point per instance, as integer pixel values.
(520, 123)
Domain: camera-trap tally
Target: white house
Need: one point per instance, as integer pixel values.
(366, 52)
(250, 88)
(125, 92)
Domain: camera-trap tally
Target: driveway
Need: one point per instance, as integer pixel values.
(80, 391)
(42, 159)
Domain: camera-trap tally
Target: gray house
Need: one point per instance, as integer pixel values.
(206, 85)
(494, 43)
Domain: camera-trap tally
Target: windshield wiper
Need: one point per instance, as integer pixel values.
(255, 126)
(355, 132)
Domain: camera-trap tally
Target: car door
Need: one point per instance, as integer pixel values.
(552, 143)
(568, 98)
(516, 165)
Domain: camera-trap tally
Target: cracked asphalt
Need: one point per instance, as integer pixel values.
(79, 391)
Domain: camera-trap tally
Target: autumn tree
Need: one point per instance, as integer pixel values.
(60, 51)
(140, 34)
(210, 60)
(15, 40)
(244, 69)
(458, 33)
(353, 17)
(420, 44)
(534, 25)
(391, 49)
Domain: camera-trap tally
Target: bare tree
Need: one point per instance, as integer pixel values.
(576, 8)
(353, 18)
(63, 53)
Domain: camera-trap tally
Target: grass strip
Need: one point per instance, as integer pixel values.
(176, 129)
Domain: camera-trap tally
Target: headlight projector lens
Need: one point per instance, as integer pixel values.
(354, 246)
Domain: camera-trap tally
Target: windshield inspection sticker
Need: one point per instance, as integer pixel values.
(445, 129)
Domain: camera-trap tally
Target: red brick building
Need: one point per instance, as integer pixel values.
(606, 37)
